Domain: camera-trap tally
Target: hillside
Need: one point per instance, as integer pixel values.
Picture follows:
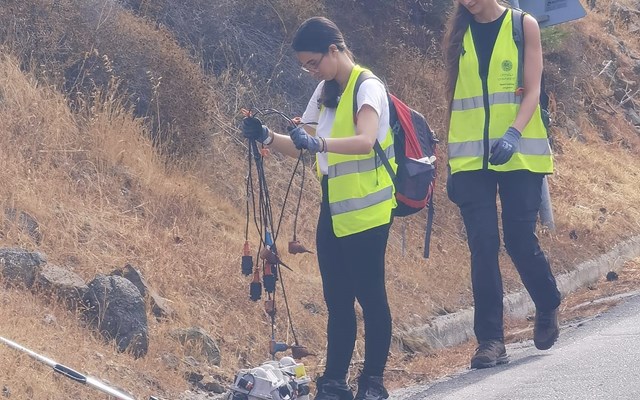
(119, 142)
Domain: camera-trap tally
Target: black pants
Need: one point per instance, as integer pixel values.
(520, 196)
(352, 267)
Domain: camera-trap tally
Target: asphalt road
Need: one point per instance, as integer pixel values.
(598, 358)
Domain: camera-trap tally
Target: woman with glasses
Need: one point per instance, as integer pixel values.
(357, 202)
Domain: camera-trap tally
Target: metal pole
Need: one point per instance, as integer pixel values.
(546, 211)
(68, 372)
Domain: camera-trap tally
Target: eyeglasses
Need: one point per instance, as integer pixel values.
(313, 65)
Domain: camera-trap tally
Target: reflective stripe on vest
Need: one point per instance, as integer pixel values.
(467, 136)
(369, 200)
(478, 101)
(527, 146)
(361, 192)
(354, 166)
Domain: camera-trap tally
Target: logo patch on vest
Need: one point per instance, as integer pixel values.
(507, 65)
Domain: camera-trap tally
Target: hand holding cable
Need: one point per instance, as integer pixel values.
(503, 149)
(254, 129)
(302, 140)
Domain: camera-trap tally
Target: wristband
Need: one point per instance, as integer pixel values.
(269, 138)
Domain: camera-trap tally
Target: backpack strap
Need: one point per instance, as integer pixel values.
(518, 37)
(385, 160)
(376, 146)
(517, 24)
(429, 227)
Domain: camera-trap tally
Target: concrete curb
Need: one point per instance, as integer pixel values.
(456, 328)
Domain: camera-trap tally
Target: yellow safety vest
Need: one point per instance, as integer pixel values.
(361, 192)
(482, 111)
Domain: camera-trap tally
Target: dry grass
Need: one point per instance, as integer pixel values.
(103, 198)
(81, 45)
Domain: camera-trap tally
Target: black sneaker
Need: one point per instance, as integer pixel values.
(371, 388)
(546, 329)
(332, 389)
(489, 354)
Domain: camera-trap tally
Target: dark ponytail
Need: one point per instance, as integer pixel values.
(457, 27)
(315, 35)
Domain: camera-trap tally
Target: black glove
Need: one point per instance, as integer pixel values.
(253, 129)
(303, 140)
(503, 149)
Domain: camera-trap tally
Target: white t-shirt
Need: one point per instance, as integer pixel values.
(371, 92)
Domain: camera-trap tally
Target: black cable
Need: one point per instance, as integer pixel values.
(286, 303)
(252, 151)
(248, 184)
(295, 220)
(287, 195)
(263, 216)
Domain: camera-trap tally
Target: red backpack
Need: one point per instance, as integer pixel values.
(415, 153)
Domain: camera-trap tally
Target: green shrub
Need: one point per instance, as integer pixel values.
(553, 38)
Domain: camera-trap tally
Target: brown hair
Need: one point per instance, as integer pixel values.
(315, 35)
(457, 27)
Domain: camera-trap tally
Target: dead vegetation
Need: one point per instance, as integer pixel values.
(119, 138)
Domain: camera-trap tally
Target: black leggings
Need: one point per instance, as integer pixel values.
(352, 267)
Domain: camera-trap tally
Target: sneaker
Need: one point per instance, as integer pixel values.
(545, 329)
(371, 388)
(489, 353)
(332, 389)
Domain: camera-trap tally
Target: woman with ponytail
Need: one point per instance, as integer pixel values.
(498, 145)
(357, 202)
